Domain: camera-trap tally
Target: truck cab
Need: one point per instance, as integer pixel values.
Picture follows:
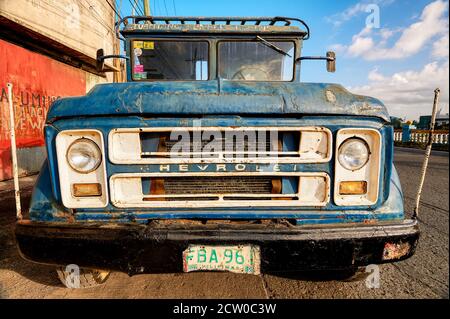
(215, 156)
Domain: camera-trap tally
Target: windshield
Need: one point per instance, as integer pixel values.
(256, 60)
(170, 60)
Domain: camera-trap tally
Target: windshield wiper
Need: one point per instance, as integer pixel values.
(273, 46)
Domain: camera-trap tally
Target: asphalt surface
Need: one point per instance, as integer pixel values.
(425, 275)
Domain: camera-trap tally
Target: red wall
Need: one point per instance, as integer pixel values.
(37, 81)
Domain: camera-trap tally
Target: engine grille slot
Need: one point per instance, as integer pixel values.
(218, 189)
(239, 145)
(211, 185)
(225, 185)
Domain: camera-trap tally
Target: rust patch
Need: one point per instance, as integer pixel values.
(395, 251)
(65, 215)
(330, 96)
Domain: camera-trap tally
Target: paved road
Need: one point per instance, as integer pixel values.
(425, 275)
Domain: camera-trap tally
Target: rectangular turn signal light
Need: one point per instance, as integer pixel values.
(353, 188)
(87, 190)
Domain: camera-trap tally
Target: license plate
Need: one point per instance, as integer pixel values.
(244, 259)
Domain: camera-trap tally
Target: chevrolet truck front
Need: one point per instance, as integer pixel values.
(116, 193)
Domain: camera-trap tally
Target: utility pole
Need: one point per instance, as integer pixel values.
(147, 8)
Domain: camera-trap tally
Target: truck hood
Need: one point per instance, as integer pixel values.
(217, 97)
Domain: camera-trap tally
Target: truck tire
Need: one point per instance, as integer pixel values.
(87, 277)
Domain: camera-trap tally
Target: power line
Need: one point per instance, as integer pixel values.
(174, 7)
(141, 8)
(157, 5)
(138, 7)
(95, 15)
(132, 4)
(165, 6)
(114, 9)
(153, 8)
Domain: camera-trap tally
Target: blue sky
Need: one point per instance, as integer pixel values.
(399, 61)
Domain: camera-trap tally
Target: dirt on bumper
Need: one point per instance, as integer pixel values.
(151, 248)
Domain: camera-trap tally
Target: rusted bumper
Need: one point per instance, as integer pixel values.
(155, 249)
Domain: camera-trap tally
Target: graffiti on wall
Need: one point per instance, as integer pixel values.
(37, 82)
(30, 110)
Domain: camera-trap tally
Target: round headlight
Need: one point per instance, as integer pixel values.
(353, 154)
(84, 155)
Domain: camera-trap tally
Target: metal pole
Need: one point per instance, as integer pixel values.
(427, 152)
(147, 8)
(14, 152)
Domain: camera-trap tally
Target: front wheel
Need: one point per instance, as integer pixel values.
(74, 277)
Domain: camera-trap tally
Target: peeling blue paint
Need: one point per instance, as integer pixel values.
(44, 206)
(210, 98)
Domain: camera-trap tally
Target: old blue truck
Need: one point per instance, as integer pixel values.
(214, 156)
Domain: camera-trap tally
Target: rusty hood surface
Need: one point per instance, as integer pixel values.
(217, 97)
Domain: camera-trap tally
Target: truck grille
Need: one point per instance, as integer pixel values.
(184, 181)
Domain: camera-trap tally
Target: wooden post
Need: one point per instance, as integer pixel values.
(12, 132)
(427, 152)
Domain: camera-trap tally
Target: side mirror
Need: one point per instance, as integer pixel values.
(331, 61)
(101, 59)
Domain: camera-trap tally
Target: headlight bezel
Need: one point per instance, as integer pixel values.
(96, 150)
(346, 142)
(372, 172)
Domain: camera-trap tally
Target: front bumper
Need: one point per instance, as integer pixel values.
(158, 249)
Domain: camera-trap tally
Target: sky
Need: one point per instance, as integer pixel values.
(394, 50)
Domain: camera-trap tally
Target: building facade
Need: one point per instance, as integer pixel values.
(48, 50)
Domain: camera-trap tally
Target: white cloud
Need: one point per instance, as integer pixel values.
(374, 75)
(338, 48)
(440, 47)
(409, 93)
(361, 43)
(432, 22)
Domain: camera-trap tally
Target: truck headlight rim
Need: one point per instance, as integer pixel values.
(92, 150)
(343, 151)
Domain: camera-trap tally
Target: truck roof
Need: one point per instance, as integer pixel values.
(133, 25)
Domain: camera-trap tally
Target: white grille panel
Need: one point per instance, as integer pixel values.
(217, 190)
(154, 145)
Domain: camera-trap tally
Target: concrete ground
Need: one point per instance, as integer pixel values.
(425, 275)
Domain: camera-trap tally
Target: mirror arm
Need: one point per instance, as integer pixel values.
(315, 58)
(330, 58)
(101, 58)
(111, 56)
